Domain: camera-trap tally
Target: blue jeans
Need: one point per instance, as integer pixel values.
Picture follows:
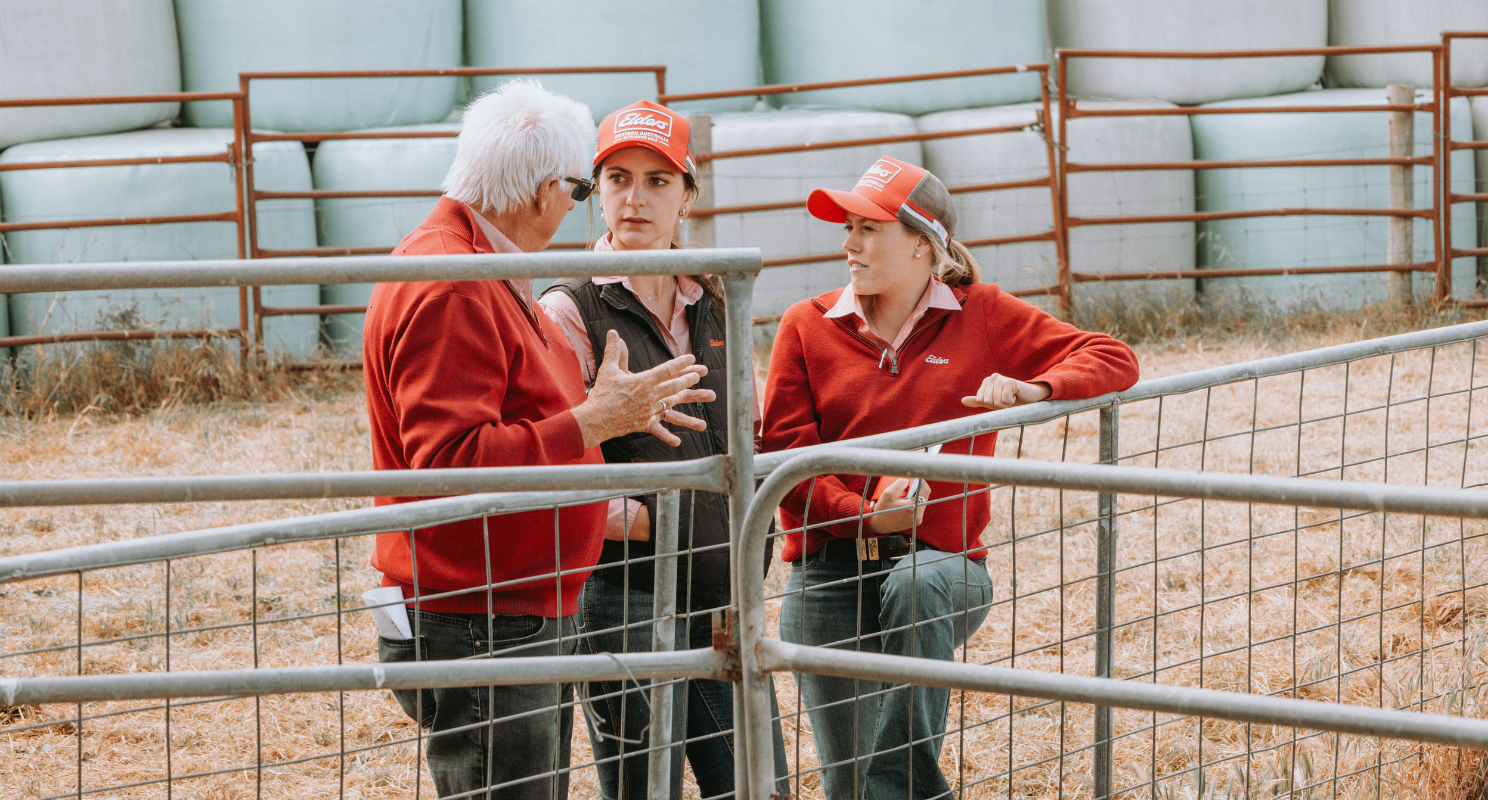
(702, 709)
(485, 736)
(877, 740)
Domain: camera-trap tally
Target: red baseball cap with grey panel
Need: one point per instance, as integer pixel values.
(890, 190)
(647, 124)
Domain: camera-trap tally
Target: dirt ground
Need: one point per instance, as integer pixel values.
(1338, 607)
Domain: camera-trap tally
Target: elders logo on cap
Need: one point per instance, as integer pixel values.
(647, 124)
(880, 174)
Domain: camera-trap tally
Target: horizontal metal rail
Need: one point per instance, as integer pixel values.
(1191, 111)
(839, 144)
(110, 222)
(1344, 50)
(704, 474)
(19, 278)
(364, 677)
(1145, 166)
(98, 100)
(777, 656)
(787, 88)
(1036, 413)
(120, 336)
(1202, 216)
(314, 528)
(1101, 277)
(225, 157)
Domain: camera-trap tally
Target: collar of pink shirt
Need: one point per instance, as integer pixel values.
(689, 291)
(936, 295)
(500, 244)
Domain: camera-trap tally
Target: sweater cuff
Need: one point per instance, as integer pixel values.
(561, 438)
(1051, 378)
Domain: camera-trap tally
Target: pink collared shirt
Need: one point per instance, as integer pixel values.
(500, 244)
(678, 337)
(936, 295)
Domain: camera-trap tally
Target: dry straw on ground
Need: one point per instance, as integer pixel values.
(1352, 608)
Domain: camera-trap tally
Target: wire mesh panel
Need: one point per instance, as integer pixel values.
(1358, 607)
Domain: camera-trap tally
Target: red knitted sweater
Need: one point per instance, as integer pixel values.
(826, 384)
(461, 374)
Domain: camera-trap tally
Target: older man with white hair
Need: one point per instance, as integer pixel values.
(473, 374)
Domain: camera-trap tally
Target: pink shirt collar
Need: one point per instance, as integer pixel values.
(500, 244)
(688, 291)
(936, 295)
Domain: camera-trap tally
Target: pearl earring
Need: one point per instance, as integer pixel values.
(917, 255)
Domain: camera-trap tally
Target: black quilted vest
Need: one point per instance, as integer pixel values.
(702, 578)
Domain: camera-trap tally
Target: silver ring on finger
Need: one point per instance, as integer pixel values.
(663, 408)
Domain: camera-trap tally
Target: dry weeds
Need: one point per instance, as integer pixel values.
(1349, 608)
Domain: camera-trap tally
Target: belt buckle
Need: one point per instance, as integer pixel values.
(868, 549)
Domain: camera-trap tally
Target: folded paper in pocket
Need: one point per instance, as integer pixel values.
(388, 611)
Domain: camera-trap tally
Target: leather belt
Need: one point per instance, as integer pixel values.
(874, 548)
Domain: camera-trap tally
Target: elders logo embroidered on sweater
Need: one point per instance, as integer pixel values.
(936, 360)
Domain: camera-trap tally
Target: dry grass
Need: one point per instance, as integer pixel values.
(1356, 609)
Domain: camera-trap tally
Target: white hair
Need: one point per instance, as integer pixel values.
(514, 138)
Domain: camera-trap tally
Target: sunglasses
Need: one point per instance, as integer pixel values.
(582, 188)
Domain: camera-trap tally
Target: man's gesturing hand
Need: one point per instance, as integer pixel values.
(622, 402)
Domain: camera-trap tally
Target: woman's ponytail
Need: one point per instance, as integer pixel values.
(955, 265)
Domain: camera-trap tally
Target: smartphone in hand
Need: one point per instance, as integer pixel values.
(914, 483)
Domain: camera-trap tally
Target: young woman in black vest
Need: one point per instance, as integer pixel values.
(645, 175)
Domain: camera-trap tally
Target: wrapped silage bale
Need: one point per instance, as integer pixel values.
(146, 190)
(79, 48)
(1022, 155)
(346, 165)
(814, 41)
(713, 46)
(1189, 25)
(1392, 22)
(220, 38)
(1318, 241)
(792, 176)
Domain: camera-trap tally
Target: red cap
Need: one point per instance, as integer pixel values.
(646, 124)
(890, 190)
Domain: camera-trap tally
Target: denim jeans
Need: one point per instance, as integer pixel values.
(487, 736)
(702, 709)
(876, 740)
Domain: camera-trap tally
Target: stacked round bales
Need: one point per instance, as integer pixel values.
(1391, 22)
(364, 165)
(153, 190)
(706, 45)
(1317, 241)
(1023, 155)
(74, 48)
(791, 176)
(1169, 25)
(220, 38)
(814, 41)
(1479, 107)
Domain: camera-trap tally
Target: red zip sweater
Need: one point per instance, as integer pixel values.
(463, 374)
(826, 384)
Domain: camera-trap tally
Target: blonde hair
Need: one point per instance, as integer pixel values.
(954, 265)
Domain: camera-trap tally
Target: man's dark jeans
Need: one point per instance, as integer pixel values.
(483, 738)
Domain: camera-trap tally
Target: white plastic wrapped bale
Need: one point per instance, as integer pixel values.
(792, 176)
(1318, 241)
(1392, 22)
(153, 189)
(713, 46)
(390, 164)
(812, 41)
(1022, 155)
(1187, 25)
(73, 48)
(220, 38)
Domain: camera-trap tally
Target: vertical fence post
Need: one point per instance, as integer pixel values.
(1105, 598)
(663, 639)
(754, 761)
(700, 229)
(1401, 237)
